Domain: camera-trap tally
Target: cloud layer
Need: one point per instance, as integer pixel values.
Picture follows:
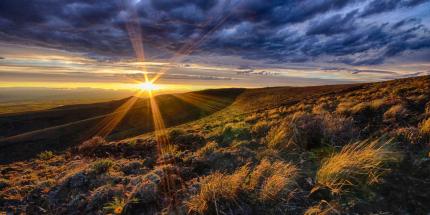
(319, 32)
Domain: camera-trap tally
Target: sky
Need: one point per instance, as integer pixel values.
(197, 44)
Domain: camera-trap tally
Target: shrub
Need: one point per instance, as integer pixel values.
(102, 166)
(359, 163)
(46, 155)
(216, 188)
(90, 146)
(337, 130)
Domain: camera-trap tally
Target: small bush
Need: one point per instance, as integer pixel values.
(46, 155)
(337, 129)
(356, 164)
(102, 166)
(90, 146)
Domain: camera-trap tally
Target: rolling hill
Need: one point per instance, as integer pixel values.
(340, 149)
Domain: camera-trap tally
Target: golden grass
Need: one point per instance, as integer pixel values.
(376, 104)
(395, 111)
(425, 127)
(215, 188)
(344, 107)
(280, 181)
(322, 208)
(260, 128)
(358, 163)
(280, 137)
(360, 107)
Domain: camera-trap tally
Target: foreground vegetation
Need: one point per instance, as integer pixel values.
(354, 149)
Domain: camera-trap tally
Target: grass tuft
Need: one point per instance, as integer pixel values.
(356, 164)
(425, 127)
(102, 166)
(216, 188)
(46, 155)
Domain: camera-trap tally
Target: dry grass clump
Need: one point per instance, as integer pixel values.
(281, 136)
(280, 179)
(360, 108)
(344, 107)
(270, 181)
(356, 164)
(377, 104)
(425, 127)
(396, 111)
(323, 208)
(215, 189)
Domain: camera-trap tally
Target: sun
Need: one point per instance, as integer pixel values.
(148, 86)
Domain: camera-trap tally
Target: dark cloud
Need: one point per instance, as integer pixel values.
(379, 6)
(276, 31)
(333, 25)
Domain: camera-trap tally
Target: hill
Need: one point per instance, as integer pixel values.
(343, 149)
(23, 135)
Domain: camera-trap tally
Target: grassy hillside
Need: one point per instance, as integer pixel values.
(345, 149)
(24, 135)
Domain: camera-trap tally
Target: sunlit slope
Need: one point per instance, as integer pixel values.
(26, 134)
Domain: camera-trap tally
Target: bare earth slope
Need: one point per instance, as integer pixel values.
(345, 149)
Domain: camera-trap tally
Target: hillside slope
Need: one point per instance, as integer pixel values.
(345, 149)
(24, 135)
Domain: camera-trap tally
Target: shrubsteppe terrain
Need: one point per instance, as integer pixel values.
(340, 149)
